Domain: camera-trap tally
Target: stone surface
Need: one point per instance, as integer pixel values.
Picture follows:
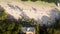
(43, 14)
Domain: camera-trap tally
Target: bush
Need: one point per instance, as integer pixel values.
(24, 0)
(9, 27)
(48, 0)
(3, 14)
(33, 0)
(37, 28)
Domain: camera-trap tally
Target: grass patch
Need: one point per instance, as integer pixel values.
(24, 0)
(33, 0)
(37, 2)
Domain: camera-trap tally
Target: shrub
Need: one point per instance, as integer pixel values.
(37, 28)
(33, 0)
(3, 14)
(24, 0)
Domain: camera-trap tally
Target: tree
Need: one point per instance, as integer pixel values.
(37, 28)
(3, 14)
(7, 32)
(55, 29)
(17, 29)
(10, 26)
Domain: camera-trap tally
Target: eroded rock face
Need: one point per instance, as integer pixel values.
(44, 15)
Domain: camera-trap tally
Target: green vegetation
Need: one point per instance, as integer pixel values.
(42, 0)
(33, 0)
(38, 2)
(24, 0)
(11, 27)
(52, 29)
(37, 28)
(8, 27)
(3, 15)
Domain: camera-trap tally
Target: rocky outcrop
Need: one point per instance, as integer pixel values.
(44, 15)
